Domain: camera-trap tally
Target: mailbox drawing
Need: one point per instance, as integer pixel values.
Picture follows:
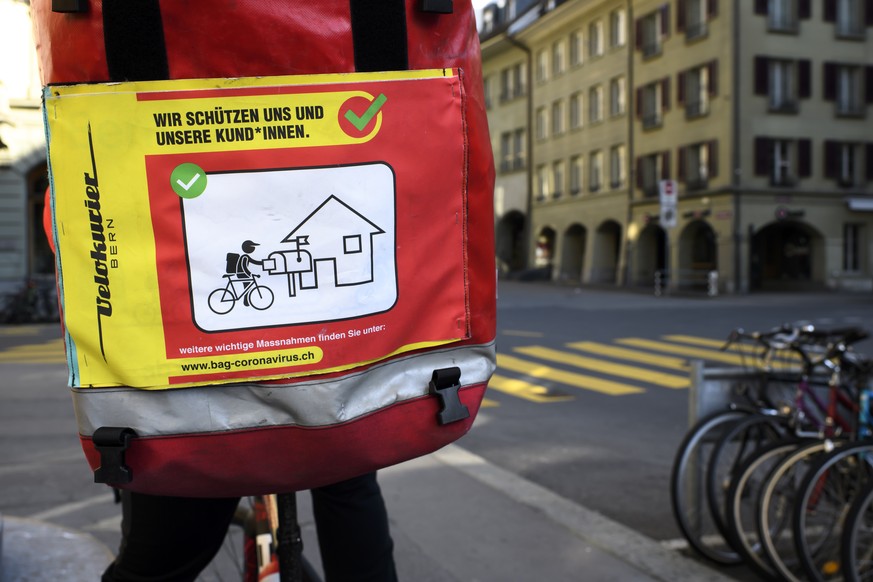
(324, 245)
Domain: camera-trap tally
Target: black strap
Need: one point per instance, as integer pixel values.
(379, 35)
(136, 51)
(134, 38)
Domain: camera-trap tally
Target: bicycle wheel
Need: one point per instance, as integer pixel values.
(737, 444)
(776, 504)
(857, 539)
(741, 506)
(261, 297)
(221, 301)
(687, 480)
(823, 501)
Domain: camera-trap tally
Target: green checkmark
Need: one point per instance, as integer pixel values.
(188, 180)
(360, 122)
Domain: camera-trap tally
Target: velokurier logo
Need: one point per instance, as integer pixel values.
(358, 114)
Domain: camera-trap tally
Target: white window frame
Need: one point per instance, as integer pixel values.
(577, 166)
(558, 178)
(595, 104)
(617, 28)
(595, 171)
(782, 85)
(577, 110)
(595, 38)
(617, 164)
(577, 48)
(558, 60)
(542, 123)
(782, 15)
(617, 95)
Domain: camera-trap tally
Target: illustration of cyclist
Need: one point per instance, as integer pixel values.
(238, 270)
(243, 271)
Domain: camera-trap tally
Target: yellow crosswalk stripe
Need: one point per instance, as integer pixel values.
(570, 378)
(690, 352)
(526, 390)
(751, 350)
(621, 370)
(51, 352)
(488, 403)
(610, 351)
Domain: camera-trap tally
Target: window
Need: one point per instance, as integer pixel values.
(783, 161)
(844, 85)
(512, 82)
(617, 164)
(848, 17)
(651, 169)
(558, 179)
(558, 58)
(542, 183)
(542, 65)
(852, 245)
(557, 118)
(486, 91)
(541, 122)
(652, 29)
(617, 28)
(617, 96)
(694, 16)
(595, 104)
(576, 48)
(576, 110)
(595, 38)
(696, 87)
(783, 81)
(519, 142)
(352, 244)
(782, 15)
(595, 171)
(506, 151)
(698, 163)
(843, 163)
(652, 101)
(576, 163)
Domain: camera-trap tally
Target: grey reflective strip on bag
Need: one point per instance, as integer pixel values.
(308, 403)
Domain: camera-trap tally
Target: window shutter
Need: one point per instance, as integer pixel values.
(665, 93)
(804, 81)
(804, 9)
(680, 170)
(639, 176)
(712, 146)
(665, 20)
(830, 10)
(869, 163)
(761, 7)
(639, 103)
(763, 156)
(638, 34)
(830, 81)
(665, 165)
(868, 18)
(831, 159)
(712, 9)
(868, 82)
(680, 16)
(713, 78)
(680, 89)
(804, 158)
(762, 75)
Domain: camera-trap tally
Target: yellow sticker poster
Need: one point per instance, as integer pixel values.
(213, 231)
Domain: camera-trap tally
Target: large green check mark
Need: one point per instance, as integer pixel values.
(360, 122)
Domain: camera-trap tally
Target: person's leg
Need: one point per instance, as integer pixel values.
(353, 534)
(168, 538)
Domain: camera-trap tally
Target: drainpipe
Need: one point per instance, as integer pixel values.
(528, 224)
(631, 165)
(735, 147)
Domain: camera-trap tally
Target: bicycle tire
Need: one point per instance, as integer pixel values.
(737, 444)
(741, 506)
(686, 479)
(776, 504)
(261, 297)
(857, 538)
(221, 301)
(820, 513)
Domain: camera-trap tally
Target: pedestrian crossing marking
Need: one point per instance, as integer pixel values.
(518, 333)
(526, 390)
(680, 364)
(712, 355)
(621, 370)
(51, 352)
(751, 351)
(488, 403)
(22, 330)
(570, 378)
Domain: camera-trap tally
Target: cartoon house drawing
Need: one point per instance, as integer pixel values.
(335, 237)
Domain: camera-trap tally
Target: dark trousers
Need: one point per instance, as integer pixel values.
(171, 539)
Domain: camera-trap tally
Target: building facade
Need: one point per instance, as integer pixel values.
(25, 257)
(703, 143)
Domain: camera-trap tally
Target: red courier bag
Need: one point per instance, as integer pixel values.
(349, 141)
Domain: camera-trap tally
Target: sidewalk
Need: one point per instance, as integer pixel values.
(454, 518)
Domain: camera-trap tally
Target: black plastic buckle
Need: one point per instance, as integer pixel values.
(111, 442)
(70, 6)
(444, 385)
(437, 6)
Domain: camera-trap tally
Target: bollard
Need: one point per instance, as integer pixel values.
(659, 283)
(712, 283)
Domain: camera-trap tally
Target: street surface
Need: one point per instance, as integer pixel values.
(590, 399)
